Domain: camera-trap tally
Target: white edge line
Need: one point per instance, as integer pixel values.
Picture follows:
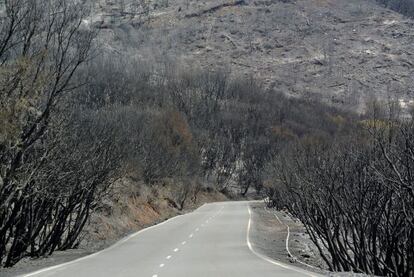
(109, 248)
(287, 245)
(267, 259)
(287, 242)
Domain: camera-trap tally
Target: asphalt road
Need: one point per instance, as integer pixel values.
(211, 241)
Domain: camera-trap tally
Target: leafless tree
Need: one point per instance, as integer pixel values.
(41, 47)
(354, 195)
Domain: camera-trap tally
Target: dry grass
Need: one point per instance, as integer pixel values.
(134, 206)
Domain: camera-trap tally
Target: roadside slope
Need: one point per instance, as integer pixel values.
(130, 207)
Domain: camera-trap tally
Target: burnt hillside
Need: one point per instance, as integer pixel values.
(343, 52)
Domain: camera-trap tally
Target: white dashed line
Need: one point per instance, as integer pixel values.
(176, 250)
(168, 257)
(162, 265)
(191, 235)
(184, 242)
(155, 275)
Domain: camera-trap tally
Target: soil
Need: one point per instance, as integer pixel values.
(268, 236)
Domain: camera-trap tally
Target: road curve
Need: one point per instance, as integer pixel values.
(211, 241)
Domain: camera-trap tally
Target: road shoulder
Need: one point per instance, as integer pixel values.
(269, 234)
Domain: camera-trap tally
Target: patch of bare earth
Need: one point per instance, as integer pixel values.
(269, 234)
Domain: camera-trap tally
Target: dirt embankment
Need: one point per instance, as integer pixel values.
(131, 206)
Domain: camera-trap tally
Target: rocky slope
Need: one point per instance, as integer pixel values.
(343, 52)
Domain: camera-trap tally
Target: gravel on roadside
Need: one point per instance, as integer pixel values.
(269, 233)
